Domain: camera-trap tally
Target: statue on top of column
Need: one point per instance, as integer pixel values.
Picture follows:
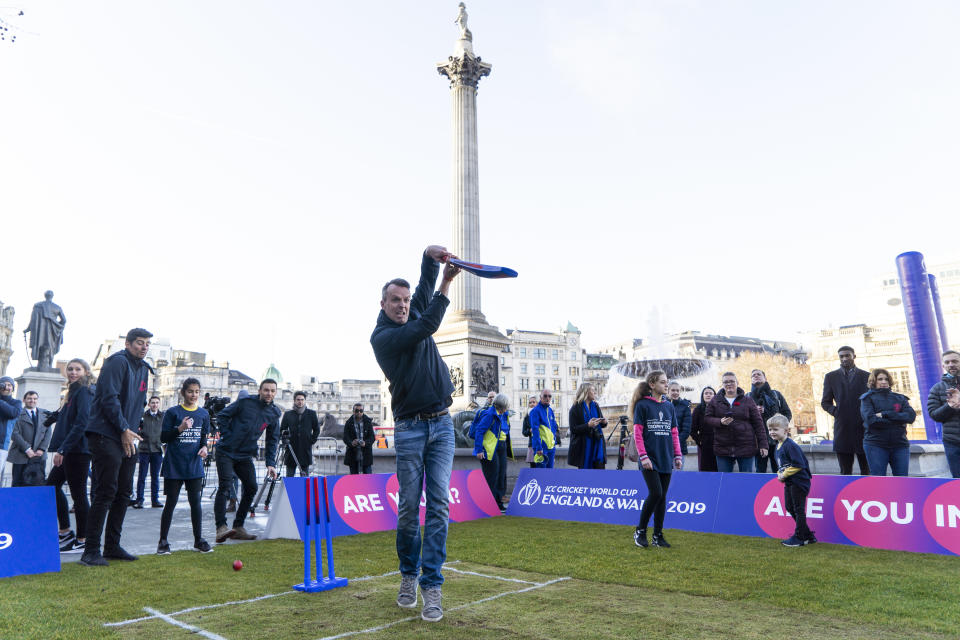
(461, 22)
(46, 331)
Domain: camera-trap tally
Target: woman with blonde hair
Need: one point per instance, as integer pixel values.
(71, 462)
(587, 450)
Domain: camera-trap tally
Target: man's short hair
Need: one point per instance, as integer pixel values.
(728, 373)
(778, 419)
(268, 381)
(399, 282)
(948, 352)
(298, 394)
(358, 404)
(850, 349)
(674, 383)
(501, 401)
(133, 334)
(157, 398)
(30, 393)
(760, 370)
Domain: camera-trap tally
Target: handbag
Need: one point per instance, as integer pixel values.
(530, 455)
(33, 473)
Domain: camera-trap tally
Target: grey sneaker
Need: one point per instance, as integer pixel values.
(407, 597)
(432, 609)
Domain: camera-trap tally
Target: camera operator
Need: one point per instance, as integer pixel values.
(358, 436)
(241, 424)
(299, 430)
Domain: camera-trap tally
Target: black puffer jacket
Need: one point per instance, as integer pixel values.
(940, 411)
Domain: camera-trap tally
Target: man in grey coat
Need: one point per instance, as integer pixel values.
(149, 454)
(29, 441)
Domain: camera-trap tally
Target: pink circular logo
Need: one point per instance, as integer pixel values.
(359, 501)
(771, 512)
(882, 513)
(941, 515)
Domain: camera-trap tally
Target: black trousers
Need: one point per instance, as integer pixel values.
(171, 489)
(846, 463)
(74, 471)
(112, 484)
(795, 499)
(495, 472)
(656, 500)
(762, 461)
(227, 470)
(16, 479)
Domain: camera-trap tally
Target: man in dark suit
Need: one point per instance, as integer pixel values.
(30, 439)
(841, 399)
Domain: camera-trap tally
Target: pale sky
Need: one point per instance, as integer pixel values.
(242, 177)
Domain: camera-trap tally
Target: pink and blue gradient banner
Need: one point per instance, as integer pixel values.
(364, 503)
(903, 514)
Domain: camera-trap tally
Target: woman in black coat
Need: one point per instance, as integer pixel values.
(587, 447)
(702, 433)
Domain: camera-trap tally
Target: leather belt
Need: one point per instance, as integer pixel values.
(425, 416)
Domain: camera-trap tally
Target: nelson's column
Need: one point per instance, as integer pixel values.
(468, 344)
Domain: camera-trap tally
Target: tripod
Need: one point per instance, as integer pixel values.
(285, 449)
(622, 422)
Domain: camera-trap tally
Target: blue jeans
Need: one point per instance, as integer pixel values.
(153, 461)
(879, 457)
(744, 463)
(952, 452)
(424, 449)
(548, 459)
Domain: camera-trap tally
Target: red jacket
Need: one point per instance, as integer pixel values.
(745, 435)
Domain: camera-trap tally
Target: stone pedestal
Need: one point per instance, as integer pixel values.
(47, 384)
(472, 351)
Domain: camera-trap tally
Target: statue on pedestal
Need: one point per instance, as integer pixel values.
(46, 332)
(461, 22)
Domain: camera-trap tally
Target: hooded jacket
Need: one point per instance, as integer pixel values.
(241, 423)
(120, 396)
(743, 437)
(890, 430)
(943, 413)
(408, 356)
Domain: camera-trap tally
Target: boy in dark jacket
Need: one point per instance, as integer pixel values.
(794, 473)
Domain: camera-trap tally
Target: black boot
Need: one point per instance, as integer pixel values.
(640, 537)
(659, 540)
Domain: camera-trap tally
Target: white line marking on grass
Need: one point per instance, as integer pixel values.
(235, 602)
(537, 585)
(184, 625)
(485, 575)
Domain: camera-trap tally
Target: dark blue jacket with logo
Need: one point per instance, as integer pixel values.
(419, 378)
(889, 431)
(121, 395)
(241, 424)
(681, 407)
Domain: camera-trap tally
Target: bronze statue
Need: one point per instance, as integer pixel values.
(46, 332)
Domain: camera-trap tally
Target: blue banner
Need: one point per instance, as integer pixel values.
(907, 514)
(28, 531)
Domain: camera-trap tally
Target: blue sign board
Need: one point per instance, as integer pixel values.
(28, 531)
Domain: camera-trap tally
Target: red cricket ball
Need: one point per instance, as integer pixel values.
(237, 565)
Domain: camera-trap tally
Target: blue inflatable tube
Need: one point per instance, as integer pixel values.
(938, 312)
(923, 331)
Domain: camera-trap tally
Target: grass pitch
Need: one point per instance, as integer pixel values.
(507, 577)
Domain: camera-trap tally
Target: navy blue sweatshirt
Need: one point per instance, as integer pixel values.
(789, 456)
(408, 356)
(120, 396)
(241, 424)
(181, 461)
(655, 431)
(72, 420)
